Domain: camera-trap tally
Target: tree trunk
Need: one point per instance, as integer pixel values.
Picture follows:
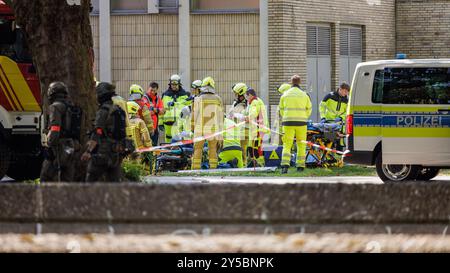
(60, 39)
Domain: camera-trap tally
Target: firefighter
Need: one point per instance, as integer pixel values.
(137, 130)
(231, 148)
(137, 95)
(295, 109)
(58, 165)
(207, 120)
(156, 107)
(105, 151)
(174, 99)
(184, 124)
(258, 126)
(240, 108)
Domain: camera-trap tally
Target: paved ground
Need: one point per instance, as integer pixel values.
(272, 180)
(233, 244)
(276, 180)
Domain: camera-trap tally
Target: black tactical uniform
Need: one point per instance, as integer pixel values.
(107, 155)
(59, 162)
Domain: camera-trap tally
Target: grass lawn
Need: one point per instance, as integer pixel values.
(353, 170)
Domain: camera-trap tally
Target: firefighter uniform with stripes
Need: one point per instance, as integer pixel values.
(58, 165)
(232, 150)
(137, 129)
(295, 109)
(207, 113)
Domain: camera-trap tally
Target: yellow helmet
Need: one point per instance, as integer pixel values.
(136, 89)
(209, 81)
(284, 87)
(133, 107)
(240, 88)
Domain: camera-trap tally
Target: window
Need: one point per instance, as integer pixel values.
(378, 84)
(135, 6)
(417, 85)
(350, 51)
(225, 6)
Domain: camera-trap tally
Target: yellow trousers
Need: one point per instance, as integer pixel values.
(299, 132)
(198, 153)
(227, 156)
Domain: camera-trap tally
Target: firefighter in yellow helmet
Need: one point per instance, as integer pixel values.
(238, 111)
(137, 95)
(295, 109)
(207, 119)
(231, 149)
(137, 130)
(258, 127)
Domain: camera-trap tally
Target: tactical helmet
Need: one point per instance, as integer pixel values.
(240, 88)
(133, 107)
(209, 81)
(196, 84)
(283, 88)
(136, 89)
(105, 89)
(57, 88)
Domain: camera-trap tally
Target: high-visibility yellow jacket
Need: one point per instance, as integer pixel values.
(295, 107)
(257, 112)
(207, 112)
(231, 138)
(138, 132)
(333, 106)
(179, 100)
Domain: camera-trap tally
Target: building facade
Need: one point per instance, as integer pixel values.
(261, 42)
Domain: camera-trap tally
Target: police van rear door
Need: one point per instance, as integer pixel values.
(416, 115)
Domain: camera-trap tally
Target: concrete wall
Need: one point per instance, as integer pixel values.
(287, 33)
(423, 28)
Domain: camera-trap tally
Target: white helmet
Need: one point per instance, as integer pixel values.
(175, 78)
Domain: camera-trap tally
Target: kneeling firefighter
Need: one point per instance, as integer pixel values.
(63, 135)
(231, 150)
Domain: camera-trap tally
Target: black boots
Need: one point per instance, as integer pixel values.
(300, 169)
(284, 169)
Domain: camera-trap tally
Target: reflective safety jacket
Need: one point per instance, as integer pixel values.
(138, 132)
(207, 115)
(231, 137)
(333, 106)
(157, 104)
(179, 99)
(257, 112)
(295, 107)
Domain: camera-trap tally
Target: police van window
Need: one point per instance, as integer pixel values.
(429, 85)
(378, 84)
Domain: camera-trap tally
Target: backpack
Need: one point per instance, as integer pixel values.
(72, 122)
(119, 123)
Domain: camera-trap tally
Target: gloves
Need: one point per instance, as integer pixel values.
(171, 104)
(161, 128)
(239, 116)
(152, 108)
(185, 134)
(190, 98)
(323, 120)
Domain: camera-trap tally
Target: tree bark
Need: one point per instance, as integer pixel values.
(60, 39)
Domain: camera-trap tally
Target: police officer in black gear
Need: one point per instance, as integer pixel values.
(105, 150)
(60, 150)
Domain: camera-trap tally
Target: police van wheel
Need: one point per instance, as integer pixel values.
(5, 159)
(426, 174)
(395, 173)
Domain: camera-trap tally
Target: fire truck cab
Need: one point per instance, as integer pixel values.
(20, 111)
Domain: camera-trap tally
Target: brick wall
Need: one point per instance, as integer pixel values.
(423, 28)
(287, 33)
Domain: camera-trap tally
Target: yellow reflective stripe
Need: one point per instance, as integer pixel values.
(384, 108)
(401, 132)
(6, 93)
(19, 85)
